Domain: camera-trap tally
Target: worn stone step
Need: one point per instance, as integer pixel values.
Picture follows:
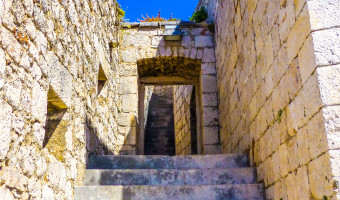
(202, 192)
(163, 177)
(169, 162)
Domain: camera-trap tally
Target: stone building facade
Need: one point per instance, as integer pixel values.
(73, 83)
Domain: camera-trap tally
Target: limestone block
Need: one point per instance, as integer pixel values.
(204, 41)
(306, 103)
(39, 102)
(210, 135)
(5, 127)
(332, 125)
(293, 158)
(317, 138)
(9, 43)
(13, 91)
(286, 19)
(209, 84)
(59, 78)
(41, 42)
(303, 184)
(323, 14)
(14, 179)
(47, 193)
(210, 116)
(209, 99)
(329, 83)
(136, 40)
(211, 149)
(299, 4)
(208, 68)
(327, 46)
(298, 34)
(292, 190)
(2, 68)
(157, 41)
(130, 103)
(128, 85)
(307, 61)
(126, 119)
(302, 146)
(129, 55)
(284, 165)
(186, 41)
(320, 177)
(41, 166)
(335, 165)
(38, 133)
(5, 193)
(208, 55)
(56, 173)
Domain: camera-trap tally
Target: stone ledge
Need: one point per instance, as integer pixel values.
(128, 25)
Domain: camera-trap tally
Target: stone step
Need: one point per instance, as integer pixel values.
(201, 192)
(164, 177)
(169, 162)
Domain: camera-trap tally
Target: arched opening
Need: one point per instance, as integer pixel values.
(174, 72)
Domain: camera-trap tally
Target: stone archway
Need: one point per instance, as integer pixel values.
(169, 71)
(147, 59)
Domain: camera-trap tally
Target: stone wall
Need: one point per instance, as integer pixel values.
(182, 99)
(145, 54)
(278, 83)
(58, 93)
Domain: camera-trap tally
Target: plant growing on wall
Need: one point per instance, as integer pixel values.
(120, 11)
(157, 19)
(199, 16)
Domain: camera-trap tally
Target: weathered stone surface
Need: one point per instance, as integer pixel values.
(59, 78)
(323, 14)
(5, 127)
(204, 41)
(327, 45)
(319, 174)
(5, 194)
(329, 83)
(14, 179)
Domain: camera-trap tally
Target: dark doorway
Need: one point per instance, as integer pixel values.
(159, 130)
(193, 122)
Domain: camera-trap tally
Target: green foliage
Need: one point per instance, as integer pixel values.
(120, 11)
(199, 16)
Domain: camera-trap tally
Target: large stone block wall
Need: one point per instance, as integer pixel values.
(278, 83)
(182, 98)
(58, 93)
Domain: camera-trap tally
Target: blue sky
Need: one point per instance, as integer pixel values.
(179, 8)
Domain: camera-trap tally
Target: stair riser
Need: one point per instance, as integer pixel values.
(170, 177)
(167, 162)
(228, 192)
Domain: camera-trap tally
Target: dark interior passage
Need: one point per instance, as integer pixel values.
(159, 130)
(193, 122)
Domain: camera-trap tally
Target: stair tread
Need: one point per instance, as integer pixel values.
(198, 192)
(170, 176)
(169, 162)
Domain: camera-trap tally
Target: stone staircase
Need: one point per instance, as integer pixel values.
(159, 130)
(209, 177)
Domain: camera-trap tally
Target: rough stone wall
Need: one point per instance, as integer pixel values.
(144, 42)
(55, 56)
(278, 83)
(182, 98)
